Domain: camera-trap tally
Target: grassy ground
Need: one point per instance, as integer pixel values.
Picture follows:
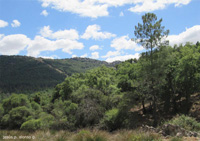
(87, 135)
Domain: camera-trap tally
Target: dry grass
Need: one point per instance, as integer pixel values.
(87, 135)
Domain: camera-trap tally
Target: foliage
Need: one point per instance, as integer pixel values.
(22, 74)
(186, 122)
(110, 120)
(15, 101)
(18, 115)
(31, 125)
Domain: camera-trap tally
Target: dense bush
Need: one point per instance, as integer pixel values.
(186, 122)
(110, 119)
(15, 100)
(18, 115)
(32, 125)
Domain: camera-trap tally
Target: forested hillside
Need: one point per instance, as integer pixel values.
(28, 74)
(104, 97)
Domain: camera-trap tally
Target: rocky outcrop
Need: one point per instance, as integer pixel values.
(174, 130)
(170, 130)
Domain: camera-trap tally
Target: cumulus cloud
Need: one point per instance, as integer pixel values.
(40, 44)
(93, 31)
(111, 54)
(47, 57)
(94, 47)
(44, 13)
(15, 23)
(152, 5)
(95, 55)
(61, 34)
(84, 55)
(124, 42)
(122, 58)
(99, 8)
(3, 23)
(86, 8)
(49, 41)
(73, 56)
(13, 44)
(190, 35)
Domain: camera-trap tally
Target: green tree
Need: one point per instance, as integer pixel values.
(150, 34)
(18, 115)
(188, 72)
(15, 100)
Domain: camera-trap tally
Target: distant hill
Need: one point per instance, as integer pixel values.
(22, 73)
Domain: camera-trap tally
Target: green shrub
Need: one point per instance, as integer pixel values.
(110, 119)
(36, 106)
(18, 116)
(32, 125)
(1, 112)
(127, 135)
(15, 100)
(186, 122)
(145, 137)
(176, 139)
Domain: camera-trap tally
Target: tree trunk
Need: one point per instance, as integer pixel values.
(155, 122)
(187, 103)
(167, 103)
(143, 107)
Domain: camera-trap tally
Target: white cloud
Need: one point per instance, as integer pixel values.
(61, 34)
(73, 56)
(95, 55)
(15, 23)
(99, 8)
(3, 23)
(40, 44)
(84, 55)
(152, 5)
(121, 14)
(122, 58)
(44, 13)
(93, 31)
(190, 35)
(94, 47)
(111, 54)
(47, 57)
(86, 8)
(13, 44)
(124, 42)
(64, 40)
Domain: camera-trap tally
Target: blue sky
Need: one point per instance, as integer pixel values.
(98, 29)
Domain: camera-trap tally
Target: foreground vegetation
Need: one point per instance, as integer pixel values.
(90, 135)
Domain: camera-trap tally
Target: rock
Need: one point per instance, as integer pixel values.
(174, 130)
(179, 134)
(148, 128)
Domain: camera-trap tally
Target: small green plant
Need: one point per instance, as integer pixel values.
(186, 122)
(176, 139)
(145, 137)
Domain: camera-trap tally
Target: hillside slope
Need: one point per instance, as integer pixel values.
(22, 73)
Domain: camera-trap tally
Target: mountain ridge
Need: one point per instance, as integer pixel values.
(23, 73)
